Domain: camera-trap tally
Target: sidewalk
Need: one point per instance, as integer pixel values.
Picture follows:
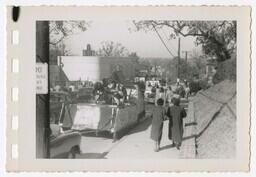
(138, 145)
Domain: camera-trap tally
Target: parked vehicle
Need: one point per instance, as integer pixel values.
(56, 102)
(64, 144)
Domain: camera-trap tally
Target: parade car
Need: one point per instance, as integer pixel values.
(85, 94)
(64, 144)
(150, 97)
(150, 91)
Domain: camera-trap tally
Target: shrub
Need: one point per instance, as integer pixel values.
(226, 70)
(204, 84)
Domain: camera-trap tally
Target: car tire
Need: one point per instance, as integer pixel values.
(72, 153)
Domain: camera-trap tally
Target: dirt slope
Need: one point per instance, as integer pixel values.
(215, 115)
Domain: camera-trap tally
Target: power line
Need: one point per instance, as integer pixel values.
(178, 67)
(162, 41)
(168, 40)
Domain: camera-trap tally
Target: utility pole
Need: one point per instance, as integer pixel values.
(186, 57)
(42, 100)
(186, 62)
(178, 67)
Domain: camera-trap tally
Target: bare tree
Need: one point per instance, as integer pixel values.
(112, 49)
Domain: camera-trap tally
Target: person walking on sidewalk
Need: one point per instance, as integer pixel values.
(176, 114)
(157, 123)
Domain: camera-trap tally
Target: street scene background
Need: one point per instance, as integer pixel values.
(106, 78)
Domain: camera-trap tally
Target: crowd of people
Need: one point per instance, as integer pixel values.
(107, 91)
(110, 92)
(167, 105)
(179, 90)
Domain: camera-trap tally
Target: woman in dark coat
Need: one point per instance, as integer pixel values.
(157, 123)
(176, 114)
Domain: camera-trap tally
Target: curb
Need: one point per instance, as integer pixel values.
(188, 147)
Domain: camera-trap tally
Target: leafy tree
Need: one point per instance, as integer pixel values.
(61, 29)
(198, 63)
(145, 64)
(218, 38)
(59, 49)
(112, 49)
(58, 31)
(134, 55)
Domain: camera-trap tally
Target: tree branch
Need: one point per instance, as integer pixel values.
(58, 41)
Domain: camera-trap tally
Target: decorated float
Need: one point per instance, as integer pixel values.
(114, 104)
(97, 117)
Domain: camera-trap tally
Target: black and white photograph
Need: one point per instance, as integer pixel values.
(128, 89)
(137, 89)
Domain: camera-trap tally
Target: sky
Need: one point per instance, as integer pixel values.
(145, 44)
